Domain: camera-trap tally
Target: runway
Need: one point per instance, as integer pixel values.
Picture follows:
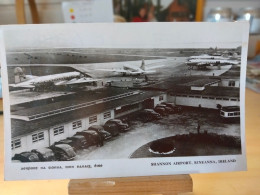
(172, 67)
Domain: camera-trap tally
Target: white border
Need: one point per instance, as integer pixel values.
(146, 35)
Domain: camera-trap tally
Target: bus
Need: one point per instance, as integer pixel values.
(230, 112)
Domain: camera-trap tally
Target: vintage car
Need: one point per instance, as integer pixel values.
(175, 107)
(99, 129)
(80, 141)
(26, 157)
(147, 115)
(168, 109)
(63, 152)
(92, 137)
(162, 111)
(74, 144)
(44, 154)
(118, 123)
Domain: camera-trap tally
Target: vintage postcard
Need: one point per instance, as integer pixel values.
(118, 100)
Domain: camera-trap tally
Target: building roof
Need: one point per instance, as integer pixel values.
(202, 82)
(68, 101)
(173, 81)
(21, 127)
(214, 91)
(230, 108)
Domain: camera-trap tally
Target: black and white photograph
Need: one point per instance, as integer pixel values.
(96, 99)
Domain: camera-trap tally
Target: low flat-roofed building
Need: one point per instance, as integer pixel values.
(200, 84)
(41, 126)
(210, 97)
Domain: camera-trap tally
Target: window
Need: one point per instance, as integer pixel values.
(37, 137)
(16, 143)
(161, 98)
(231, 83)
(237, 113)
(58, 130)
(76, 124)
(107, 115)
(92, 119)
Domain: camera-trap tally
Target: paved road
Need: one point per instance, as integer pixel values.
(141, 133)
(125, 144)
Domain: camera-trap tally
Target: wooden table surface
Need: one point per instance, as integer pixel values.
(247, 182)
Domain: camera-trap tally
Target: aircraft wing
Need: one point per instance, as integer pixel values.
(153, 67)
(202, 64)
(197, 64)
(132, 68)
(212, 64)
(114, 70)
(149, 71)
(22, 85)
(76, 81)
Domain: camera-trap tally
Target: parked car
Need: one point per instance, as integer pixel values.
(161, 111)
(80, 141)
(173, 106)
(112, 129)
(44, 154)
(99, 129)
(74, 144)
(147, 115)
(92, 137)
(26, 157)
(118, 123)
(63, 152)
(168, 109)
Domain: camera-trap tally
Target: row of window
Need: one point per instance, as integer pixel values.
(234, 114)
(59, 130)
(207, 97)
(37, 137)
(16, 144)
(76, 124)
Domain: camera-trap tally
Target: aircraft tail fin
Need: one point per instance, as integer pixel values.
(19, 75)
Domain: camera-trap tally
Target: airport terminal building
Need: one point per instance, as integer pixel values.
(41, 126)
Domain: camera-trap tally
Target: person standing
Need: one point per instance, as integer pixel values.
(198, 127)
(142, 15)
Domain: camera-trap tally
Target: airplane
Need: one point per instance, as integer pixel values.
(42, 82)
(205, 56)
(204, 63)
(132, 70)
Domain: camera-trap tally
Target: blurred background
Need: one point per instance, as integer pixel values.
(84, 11)
(51, 11)
(73, 11)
